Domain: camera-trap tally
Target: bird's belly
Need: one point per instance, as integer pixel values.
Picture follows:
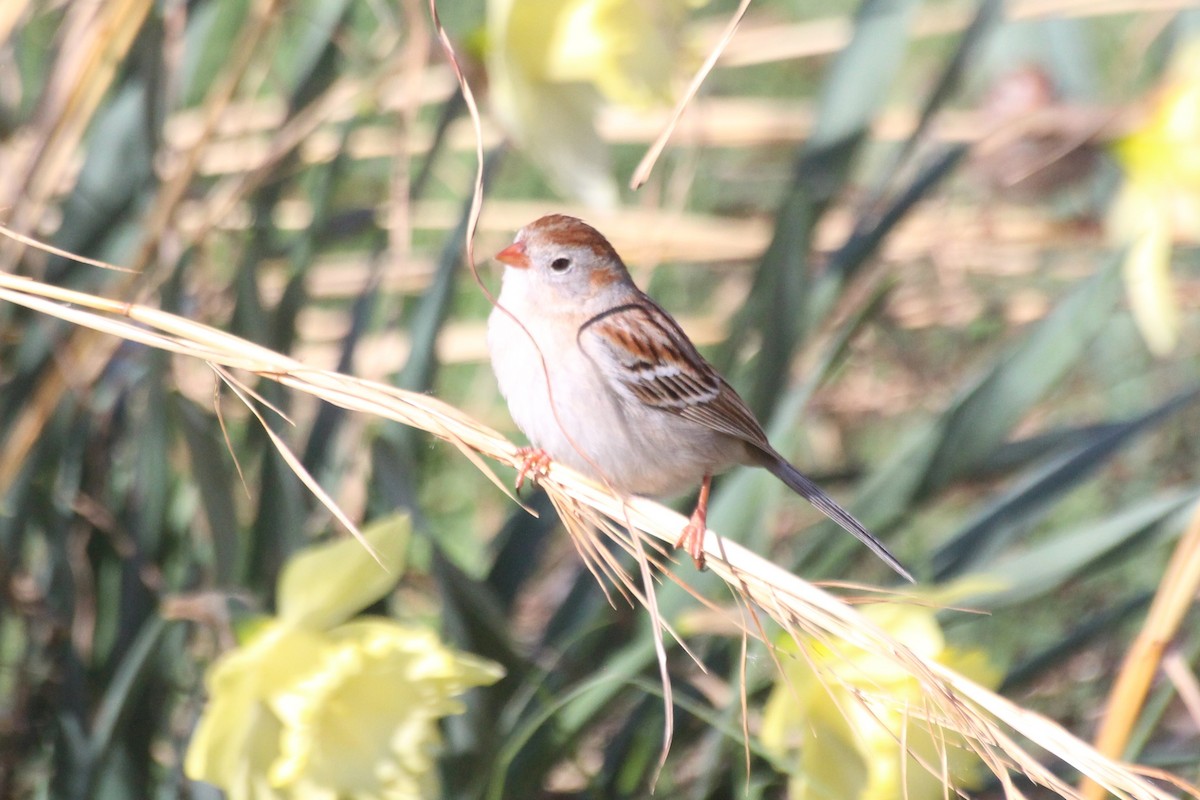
(590, 428)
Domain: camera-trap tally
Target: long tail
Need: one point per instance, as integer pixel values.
(802, 486)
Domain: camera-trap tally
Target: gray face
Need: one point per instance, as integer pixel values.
(560, 261)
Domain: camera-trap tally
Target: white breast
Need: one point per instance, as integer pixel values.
(587, 425)
(572, 414)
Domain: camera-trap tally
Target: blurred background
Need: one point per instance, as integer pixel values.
(946, 250)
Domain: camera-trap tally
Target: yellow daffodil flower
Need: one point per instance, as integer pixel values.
(552, 63)
(839, 746)
(1159, 202)
(311, 707)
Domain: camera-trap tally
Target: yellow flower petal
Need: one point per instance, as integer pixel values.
(327, 584)
(364, 719)
(1160, 201)
(553, 124)
(1167, 149)
(1152, 296)
(837, 716)
(629, 49)
(552, 61)
(520, 31)
(349, 713)
(237, 737)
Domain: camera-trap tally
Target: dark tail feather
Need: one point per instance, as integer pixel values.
(813, 494)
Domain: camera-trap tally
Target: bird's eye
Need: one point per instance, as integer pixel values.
(560, 264)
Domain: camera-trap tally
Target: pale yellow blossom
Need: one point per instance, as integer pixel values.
(1159, 203)
(310, 707)
(553, 63)
(838, 716)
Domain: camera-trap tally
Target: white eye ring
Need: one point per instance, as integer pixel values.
(560, 264)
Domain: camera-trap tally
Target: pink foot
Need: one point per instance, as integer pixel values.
(535, 463)
(692, 538)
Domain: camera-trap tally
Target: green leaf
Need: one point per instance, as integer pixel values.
(981, 418)
(871, 230)
(135, 668)
(877, 219)
(212, 29)
(989, 14)
(150, 441)
(1019, 508)
(473, 617)
(1083, 633)
(1043, 569)
(420, 369)
(1014, 456)
(745, 499)
(118, 168)
(779, 307)
(975, 425)
(212, 473)
(326, 584)
(314, 47)
(856, 87)
(519, 545)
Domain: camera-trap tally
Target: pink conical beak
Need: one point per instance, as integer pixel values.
(514, 255)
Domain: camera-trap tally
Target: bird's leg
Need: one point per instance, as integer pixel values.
(535, 463)
(692, 537)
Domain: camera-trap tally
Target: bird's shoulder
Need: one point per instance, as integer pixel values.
(642, 349)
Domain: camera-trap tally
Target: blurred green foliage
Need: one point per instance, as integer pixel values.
(957, 362)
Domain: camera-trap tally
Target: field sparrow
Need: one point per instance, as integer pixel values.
(630, 400)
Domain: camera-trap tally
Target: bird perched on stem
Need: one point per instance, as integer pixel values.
(605, 381)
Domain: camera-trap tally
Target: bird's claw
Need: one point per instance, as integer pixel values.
(692, 540)
(535, 463)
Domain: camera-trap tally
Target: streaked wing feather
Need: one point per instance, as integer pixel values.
(728, 414)
(652, 359)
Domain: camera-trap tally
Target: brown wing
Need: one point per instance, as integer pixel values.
(648, 357)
